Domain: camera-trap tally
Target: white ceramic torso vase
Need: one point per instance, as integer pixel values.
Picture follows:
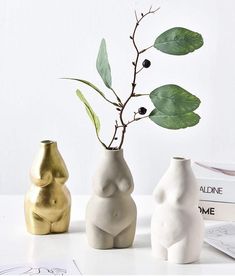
(111, 211)
(177, 227)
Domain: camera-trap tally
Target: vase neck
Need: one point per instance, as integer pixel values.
(48, 145)
(113, 154)
(180, 162)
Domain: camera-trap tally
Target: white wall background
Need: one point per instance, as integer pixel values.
(44, 40)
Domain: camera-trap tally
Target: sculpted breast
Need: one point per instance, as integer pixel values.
(107, 183)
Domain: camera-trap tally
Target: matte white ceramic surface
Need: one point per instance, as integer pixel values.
(177, 227)
(111, 211)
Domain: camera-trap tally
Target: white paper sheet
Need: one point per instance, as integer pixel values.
(222, 237)
(42, 268)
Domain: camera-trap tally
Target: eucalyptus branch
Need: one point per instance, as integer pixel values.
(175, 41)
(135, 63)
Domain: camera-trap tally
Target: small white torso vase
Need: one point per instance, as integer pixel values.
(177, 227)
(111, 211)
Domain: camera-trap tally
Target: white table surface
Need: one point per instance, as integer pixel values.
(17, 246)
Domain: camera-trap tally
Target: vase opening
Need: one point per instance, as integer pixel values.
(47, 142)
(113, 153)
(179, 158)
(114, 150)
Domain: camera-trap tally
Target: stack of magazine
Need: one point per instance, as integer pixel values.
(217, 190)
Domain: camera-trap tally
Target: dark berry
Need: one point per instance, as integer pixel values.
(142, 110)
(146, 63)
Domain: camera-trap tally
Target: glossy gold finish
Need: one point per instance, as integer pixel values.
(48, 202)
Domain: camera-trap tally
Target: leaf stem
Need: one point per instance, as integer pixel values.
(142, 51)
(139, 95)
(102, 143)
(95, 88)
(118, 99)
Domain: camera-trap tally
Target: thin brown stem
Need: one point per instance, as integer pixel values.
(136, 17)
(136, 119)
(142, 51)
(135, 63)
(140, 69)
(114, 134)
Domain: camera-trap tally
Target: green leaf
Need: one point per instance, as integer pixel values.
(178, 41)
(172, 99)
(174, 122)
(102, 65)
(94, 118)
(94, 87)
(87, 83)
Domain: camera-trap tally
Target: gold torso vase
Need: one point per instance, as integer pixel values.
(48, 202)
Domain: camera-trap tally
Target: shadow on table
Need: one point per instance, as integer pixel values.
(142, 241)
(77, 226)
